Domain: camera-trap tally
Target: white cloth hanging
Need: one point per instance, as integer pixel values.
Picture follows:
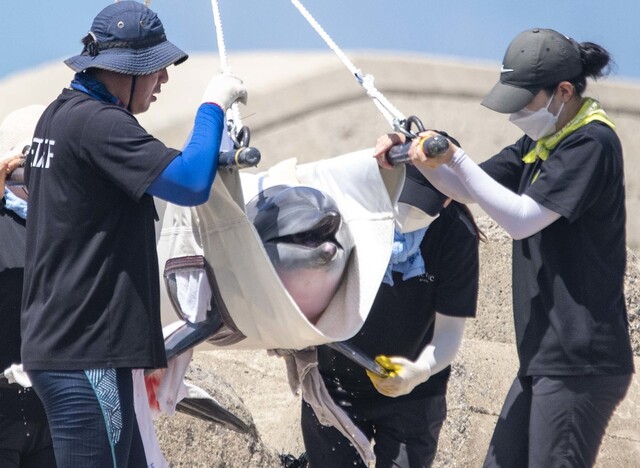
(153, 452)
(303, 376)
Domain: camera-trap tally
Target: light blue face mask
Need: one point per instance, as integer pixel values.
(536, 124)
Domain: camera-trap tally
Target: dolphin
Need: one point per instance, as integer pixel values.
(307, 241)
(309, 245)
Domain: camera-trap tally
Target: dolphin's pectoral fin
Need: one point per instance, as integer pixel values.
(211, 398)
(359, 357)
(208, 409)
(191, 334)
(218, 328)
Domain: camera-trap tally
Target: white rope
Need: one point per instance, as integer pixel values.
(235, 123)
(325, 36)
(222, 50)
(390, 112)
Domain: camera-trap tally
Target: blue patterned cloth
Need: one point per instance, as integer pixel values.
(15, 204)
(94, 88)
(405, 256)
(105, 384)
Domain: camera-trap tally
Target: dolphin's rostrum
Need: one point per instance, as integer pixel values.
(307, 241)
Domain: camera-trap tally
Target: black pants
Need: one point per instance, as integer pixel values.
(550, 422)
(405, 433)
(25, 441)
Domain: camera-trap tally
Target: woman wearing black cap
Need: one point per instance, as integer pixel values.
(559, 192)
(90, 310)
(414, 330)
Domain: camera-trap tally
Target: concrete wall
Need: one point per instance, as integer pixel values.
(307, 105)
(327, 113)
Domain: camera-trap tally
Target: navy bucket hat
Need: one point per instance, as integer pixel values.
(127, 37)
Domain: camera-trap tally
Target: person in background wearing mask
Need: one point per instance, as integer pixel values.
(414, 330)
(25, 441)
(559, 192)
(91, 299)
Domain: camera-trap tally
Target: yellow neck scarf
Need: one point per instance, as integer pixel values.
(589, 112)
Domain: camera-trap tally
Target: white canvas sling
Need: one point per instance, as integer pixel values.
(258, 311)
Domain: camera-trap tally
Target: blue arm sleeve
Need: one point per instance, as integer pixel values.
(188, 178)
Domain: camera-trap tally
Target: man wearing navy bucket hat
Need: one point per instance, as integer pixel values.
(559, 192)
(91, 299)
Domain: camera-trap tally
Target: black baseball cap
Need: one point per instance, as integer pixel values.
(535, 59)
(417, 191)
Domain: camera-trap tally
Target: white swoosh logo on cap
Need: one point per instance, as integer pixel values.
(505, 70)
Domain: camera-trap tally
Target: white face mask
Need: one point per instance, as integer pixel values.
(409, 218)
(536, 124)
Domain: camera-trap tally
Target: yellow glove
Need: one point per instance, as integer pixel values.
(402, 377)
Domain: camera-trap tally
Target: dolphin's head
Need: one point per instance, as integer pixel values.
(307, 241)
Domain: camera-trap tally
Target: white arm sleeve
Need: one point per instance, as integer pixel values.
(446, 180)
(519, 215)
(447, 336)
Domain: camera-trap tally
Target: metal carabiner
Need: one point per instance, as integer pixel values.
(241, 137)
(408, 123)
(404, 126)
